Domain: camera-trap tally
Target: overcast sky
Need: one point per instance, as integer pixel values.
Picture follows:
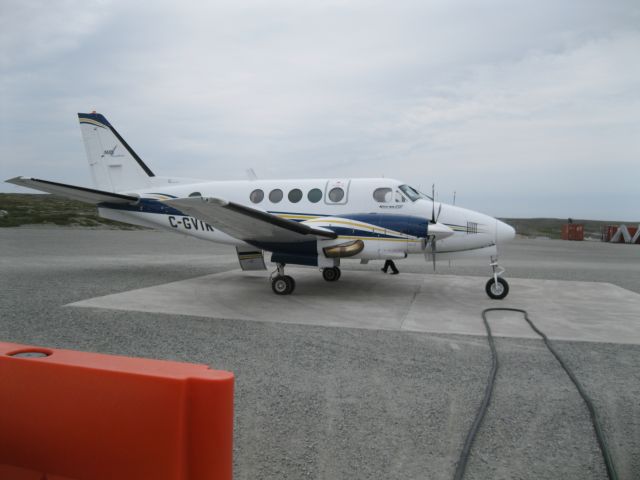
(524, 108)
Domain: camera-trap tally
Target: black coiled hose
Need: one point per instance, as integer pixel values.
(466, 449)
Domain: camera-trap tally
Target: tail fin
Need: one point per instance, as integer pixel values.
(115, 167)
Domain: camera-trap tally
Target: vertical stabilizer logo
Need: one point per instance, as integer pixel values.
(112, 152)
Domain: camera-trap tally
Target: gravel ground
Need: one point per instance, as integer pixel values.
(332, 403)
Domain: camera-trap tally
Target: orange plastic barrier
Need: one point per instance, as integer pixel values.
(79, 416)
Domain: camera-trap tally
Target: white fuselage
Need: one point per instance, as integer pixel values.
(389, 222)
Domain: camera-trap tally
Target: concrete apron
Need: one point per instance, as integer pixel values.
(583, 311)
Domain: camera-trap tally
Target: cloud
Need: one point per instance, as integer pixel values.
(487, 98)
(38, 30)
(553, 112)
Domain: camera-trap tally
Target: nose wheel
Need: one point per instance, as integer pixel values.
(497, 287)
(497, 290)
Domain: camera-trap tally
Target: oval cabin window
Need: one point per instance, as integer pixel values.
(314, 195)
(256, 196)
(295, 195)
(275, 196)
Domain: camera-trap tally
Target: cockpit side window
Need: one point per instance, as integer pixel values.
(382, 195)
(412, 193)
(400, 198)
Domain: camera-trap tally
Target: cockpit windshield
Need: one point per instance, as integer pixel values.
(412, 193)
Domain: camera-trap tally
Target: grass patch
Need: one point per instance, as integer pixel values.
(17, 209)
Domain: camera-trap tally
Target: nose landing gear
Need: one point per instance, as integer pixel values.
(497, 287)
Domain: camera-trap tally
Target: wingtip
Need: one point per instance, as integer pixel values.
(15, 180)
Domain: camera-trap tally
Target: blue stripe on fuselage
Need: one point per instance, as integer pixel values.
(406, 224)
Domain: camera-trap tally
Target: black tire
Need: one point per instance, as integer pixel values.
(292, 283)
(331, 274)
(282, 285)
(497, 291)
(339, 272)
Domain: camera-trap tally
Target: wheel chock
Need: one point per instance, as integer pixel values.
(67, 415)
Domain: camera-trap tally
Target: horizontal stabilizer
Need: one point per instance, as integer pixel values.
(83, 194)
(246, 223)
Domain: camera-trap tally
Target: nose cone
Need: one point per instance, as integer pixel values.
(504, 232)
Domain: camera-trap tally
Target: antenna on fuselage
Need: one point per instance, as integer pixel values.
(251, 175)
(454, 197)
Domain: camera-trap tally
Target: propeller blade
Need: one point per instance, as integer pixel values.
(433, 252)
(433, 203)
(430, 253)
(435, 230)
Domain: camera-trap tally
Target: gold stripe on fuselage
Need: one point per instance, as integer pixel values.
(380, 239)
(290, 216)
(350, 223)
(365, 226)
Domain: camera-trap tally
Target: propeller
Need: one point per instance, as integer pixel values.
(433, 203)
(435, 229)
(434, 217)
(433, 251)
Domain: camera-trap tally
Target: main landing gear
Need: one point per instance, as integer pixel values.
(282, 284)
(497, 287)
(331, 274)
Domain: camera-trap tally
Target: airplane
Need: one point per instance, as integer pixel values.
(311, 222)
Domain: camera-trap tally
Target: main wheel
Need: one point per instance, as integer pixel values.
(331, 274)
(499, 290)
(283, 285)
(292, 282)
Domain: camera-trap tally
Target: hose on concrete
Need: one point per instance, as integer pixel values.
(471, 435)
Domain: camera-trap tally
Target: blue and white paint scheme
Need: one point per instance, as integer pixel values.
(313, 222)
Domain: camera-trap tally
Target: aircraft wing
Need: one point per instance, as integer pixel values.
(83, 194)
(246, 223)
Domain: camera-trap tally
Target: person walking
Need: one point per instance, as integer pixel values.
(389, 264)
